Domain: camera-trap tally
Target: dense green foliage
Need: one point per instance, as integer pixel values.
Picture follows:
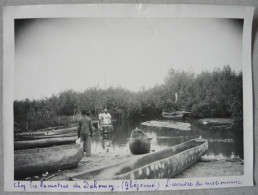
(208, 94)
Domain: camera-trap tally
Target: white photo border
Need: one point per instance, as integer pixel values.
(10, 13)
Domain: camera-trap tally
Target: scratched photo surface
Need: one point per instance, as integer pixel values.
(172, 88)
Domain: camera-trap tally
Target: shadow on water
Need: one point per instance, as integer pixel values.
(223, 143)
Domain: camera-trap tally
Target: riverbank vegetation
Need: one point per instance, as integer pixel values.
(207, 94)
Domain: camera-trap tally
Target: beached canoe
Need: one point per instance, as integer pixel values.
(30, 133)
(35, 161)
(64, 131)
(162, 164)
(139, 142)
(40, 143)
(46, 132)
(68, 132)
(44, 136)
(175, 115)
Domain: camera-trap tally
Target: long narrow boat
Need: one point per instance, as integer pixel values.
(139, 142)
(35, 161)
(63, 131)
(47, 132)
(175, 115)
(44, 136)
(40, 143)
(68, 132)
(162, 164)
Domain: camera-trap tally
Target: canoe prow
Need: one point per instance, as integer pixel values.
(35, 161)
(162, 164)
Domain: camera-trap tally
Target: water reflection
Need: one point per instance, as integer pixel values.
(222, 143)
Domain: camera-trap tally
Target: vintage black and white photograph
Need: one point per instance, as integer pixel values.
(147, 98)
(128, 98)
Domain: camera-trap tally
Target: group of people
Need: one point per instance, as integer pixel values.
(86, 128)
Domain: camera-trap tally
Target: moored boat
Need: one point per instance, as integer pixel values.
(162, 164)
(46, 132)
(175, 115)
(40, 143)
(44, 136)
(35, 161)
(139, 142)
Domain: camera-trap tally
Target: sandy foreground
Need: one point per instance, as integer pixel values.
(199, 169)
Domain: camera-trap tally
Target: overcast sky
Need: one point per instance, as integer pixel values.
(52, 55)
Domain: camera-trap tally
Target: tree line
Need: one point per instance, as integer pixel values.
(207, 94)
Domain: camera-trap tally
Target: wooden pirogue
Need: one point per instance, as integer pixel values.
(40, 143)
(139, 142)
(162, 164)
(175, 115)
(35, 161)
(44, 138)
(36, 134)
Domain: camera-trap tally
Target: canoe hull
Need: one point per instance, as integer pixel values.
(175, 115)
(35, 161)
(139, 142)
(139, 146)
(162, 164)
(46, 132)
(172, 116)
(40, 143)
(44, 136)
(166, 168)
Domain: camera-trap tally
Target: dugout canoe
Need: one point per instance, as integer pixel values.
(175, 115)
(40, 143)
(64, 131)
(46, 132)
(68, 132)
(162, 164)
(139, 142)
(36, 161)
(24, 138)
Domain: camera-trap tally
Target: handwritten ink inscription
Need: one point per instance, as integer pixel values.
(136, 185)
(172, 184)
(127, 185)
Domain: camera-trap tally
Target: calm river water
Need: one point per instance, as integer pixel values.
(223, 144)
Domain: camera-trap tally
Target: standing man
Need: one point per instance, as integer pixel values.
(106, 117)
(85, 131)
(107, 121)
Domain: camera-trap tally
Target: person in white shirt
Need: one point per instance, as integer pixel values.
(106, 117)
